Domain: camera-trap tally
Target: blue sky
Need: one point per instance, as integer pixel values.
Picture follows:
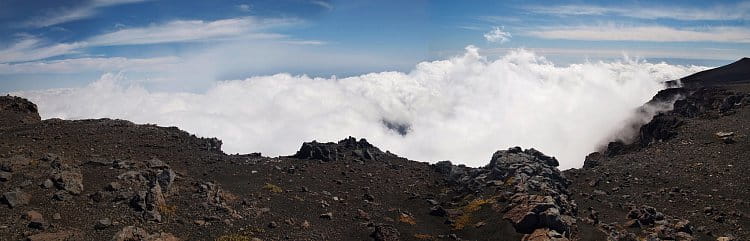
(186, 45)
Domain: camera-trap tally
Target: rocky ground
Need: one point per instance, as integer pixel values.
(689, 164)
(684, 177)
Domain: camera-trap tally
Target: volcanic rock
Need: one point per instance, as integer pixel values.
(16, 110)
(132, 233)
(16, 198)
(385, 233)
(5, 176)
(57, 236)
(69, 180)
(35, 219)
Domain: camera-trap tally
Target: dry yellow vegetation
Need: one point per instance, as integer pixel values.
(405, 218)
(468, 210)
(272, 188)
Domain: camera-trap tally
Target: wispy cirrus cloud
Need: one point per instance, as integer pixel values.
(79, 65)
(618, 53)
(740, 11)
(304, 42)
(193, 30)
(60, 15)
(653, 33)
(29, 48)
(323, 4)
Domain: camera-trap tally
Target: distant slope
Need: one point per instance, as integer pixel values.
(734, 73)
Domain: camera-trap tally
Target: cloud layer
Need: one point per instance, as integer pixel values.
(461, 109)
(645, 33)
(739, 11)
(192, 30)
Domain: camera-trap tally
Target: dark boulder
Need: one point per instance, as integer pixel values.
(662, 127)
(333, 151)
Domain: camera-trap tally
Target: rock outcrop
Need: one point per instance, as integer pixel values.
(16, 111)
(533, 189)
(330, 151)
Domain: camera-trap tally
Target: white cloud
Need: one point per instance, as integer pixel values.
(473, 28)
(244, 7)
(304, 42)
(193, 30)
(29, 48)
(461, 109)
(640, 53)
(328, 6)
(497, 35)
(645, 33)
(740, 11)
(499, 19)
(67, 14)
(83, 65)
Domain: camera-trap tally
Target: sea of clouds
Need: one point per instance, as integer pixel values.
(460, 109)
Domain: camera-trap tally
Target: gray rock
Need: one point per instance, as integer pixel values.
(153, 215)
(121, 164)
(533, 211)
(361, 214)
(62, 195)
(113, 186)
(328, 215)
(165, 178)
(104, 223)
(156, 163)
(684, 226)
(138, 201)
(369, 197)
(131, 176)
(5, 176)
(47, 184)
(438, 211)
(16, 198)
(385, 232)
(149, 202)
(26, 183)
(48, 157)
(273, 224)
(69, 180)
(132, 233)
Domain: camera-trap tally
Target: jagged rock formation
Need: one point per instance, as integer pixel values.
(527, 187)
(345, 148)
